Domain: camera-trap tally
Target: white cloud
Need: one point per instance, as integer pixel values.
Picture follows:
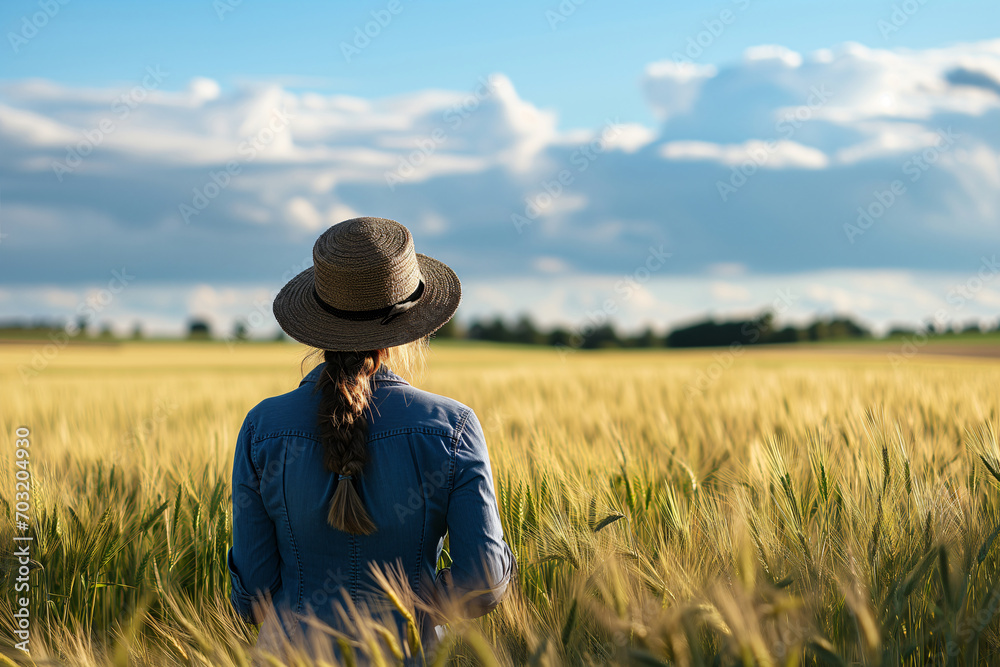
(772, 52)
(433, 224)
(727, 269)
(843, 301)
(831, 130)
(338, 212)
(547, 264)
(203, 89)
(673, 88)
(496, 299)
(777, 155)
(630, 137)
(251, 213)
(60, 298)
(302, 213)
(729, 292)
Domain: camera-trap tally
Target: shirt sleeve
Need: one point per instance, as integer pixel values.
(253, 560)
(482, 562)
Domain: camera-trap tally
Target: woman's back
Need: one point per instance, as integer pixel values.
(427, 473)
(356, 469)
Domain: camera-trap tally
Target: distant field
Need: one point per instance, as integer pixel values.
(828, 503)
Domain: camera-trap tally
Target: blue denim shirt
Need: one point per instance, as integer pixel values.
(428, 474)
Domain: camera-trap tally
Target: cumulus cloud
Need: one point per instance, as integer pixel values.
(550, 265)
(724, 292)
(781, 154)
(758, 164)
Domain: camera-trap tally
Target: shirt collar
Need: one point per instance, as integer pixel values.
(382, 376)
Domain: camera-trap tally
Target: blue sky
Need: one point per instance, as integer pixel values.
(845, 154)
(586, 67)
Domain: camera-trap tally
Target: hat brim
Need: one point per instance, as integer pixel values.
(306, 321)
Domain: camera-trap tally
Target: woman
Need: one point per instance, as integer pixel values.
(356, 467)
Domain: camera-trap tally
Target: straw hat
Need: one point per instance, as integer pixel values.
(367, 290)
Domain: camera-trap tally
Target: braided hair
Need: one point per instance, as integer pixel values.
(346, 390)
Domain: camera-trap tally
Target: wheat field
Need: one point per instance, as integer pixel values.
(787, 508)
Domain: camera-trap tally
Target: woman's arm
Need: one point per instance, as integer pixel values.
(482, 563)
(253, 559)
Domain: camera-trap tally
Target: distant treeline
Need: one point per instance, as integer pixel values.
(709, 333)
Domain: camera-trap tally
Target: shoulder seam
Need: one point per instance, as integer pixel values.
(453, 456)
(252, 453)
(461, 426)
